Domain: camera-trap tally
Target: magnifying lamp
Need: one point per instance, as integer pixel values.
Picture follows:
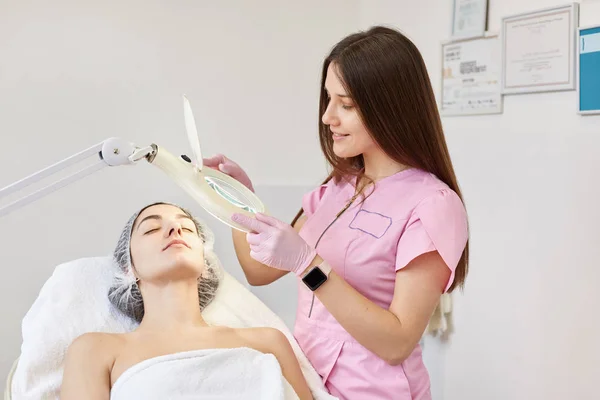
(219, 194)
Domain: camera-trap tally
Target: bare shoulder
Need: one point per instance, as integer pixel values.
(101, 346)
(95, 340)
(265, 340)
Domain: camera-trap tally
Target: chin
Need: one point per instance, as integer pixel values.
(344, 152)
(187, 265)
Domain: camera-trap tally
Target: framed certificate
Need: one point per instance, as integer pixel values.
(538, 50)
(471, 77)
(588, 70)
(469, 18)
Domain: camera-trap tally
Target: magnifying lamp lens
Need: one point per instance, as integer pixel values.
(230, 194)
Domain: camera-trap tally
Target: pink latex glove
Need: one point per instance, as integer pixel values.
(276, 244)
(229, 167)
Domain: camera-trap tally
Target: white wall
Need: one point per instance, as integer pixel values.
(526, 326)
(73, 73)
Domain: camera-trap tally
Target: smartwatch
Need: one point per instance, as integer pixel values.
(317, 276)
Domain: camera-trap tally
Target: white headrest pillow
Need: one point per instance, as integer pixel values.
(74, 301)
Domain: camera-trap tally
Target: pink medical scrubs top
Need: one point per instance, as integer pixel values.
(408, 214)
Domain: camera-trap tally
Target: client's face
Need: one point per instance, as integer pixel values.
(165, 245)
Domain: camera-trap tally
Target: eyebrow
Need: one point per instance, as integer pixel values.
(158, 218)
(337, 94)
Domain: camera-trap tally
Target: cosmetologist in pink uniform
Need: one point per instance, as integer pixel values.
(377, 244)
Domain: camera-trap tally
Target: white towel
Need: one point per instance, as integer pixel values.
(241, 373)
(72, 302)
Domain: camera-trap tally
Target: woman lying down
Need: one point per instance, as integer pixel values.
(165, 280)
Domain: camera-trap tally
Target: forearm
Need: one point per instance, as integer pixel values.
(256, 273)
(376, 328)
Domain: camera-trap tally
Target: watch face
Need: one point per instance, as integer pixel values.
(315, 278)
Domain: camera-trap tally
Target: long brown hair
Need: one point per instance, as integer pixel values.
(385, 75)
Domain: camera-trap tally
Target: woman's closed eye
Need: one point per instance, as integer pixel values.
(149, 231)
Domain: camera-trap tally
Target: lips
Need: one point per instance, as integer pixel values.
(338, 136)
(176, 241)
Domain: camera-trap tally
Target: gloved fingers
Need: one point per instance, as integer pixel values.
(269, 220)
(228, 168)
(214, 161)
(254, 239)
(250, 223)
(255, 255)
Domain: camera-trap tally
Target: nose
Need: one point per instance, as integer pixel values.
(173, 228)
(329, 117)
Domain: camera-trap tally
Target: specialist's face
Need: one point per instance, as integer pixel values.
(350, 136)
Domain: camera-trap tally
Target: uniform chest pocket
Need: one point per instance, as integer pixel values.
(372, 223)
(370, 260)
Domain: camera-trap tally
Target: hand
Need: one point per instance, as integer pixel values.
(276, 244)
(227, 166)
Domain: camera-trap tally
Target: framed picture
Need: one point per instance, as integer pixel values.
(471, 77)
(539, 50)
(588, 70)
(469, 18)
